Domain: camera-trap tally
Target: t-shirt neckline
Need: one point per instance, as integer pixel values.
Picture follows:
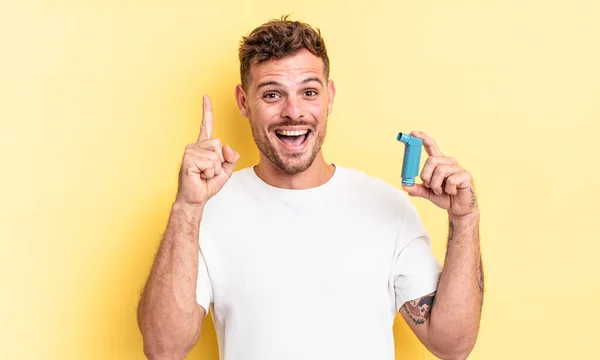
(291, 193)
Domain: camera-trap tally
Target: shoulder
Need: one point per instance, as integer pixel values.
(369, 184)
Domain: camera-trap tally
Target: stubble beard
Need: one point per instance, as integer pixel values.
(293, 163)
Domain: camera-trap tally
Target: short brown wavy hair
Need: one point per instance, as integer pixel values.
(278, 39)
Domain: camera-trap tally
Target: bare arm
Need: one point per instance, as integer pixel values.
(169, 316)
(447, 321)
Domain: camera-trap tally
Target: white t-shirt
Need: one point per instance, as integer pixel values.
(311, 274)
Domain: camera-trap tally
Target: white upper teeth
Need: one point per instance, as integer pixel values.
(292, 133)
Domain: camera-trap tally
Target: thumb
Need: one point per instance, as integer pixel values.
(418, 190)
(231, 158)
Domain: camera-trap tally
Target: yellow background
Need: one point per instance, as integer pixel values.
(99, 98)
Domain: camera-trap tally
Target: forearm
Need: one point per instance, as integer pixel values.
(454, 322)
(168, 314)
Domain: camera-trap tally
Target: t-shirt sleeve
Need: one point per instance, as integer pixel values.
(416, 270)
(204, 292)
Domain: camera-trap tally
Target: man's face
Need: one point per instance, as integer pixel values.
(287, 103)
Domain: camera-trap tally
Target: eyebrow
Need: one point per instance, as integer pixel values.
(310, 79)
(275, 83)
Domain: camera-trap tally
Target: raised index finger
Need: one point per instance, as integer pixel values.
(207, 119)
(429, 144)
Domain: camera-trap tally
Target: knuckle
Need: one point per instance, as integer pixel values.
(200, 165)
(208, 154)
(190, 148)
(216, 142)
(215, 156)
(188, 153)
(211, 144)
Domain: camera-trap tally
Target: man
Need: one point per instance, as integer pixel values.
(299, 258)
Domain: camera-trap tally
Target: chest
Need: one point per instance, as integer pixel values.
(284, 253)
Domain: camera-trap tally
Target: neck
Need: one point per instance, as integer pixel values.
(317, 174)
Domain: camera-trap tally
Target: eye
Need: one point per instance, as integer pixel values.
(310, 93)
(270, 96)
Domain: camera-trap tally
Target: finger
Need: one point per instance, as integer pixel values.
(212, 145)
(430, 164)
(418, 190)
(231, 159)
(429, 144)
(199, 165)
(217, 167)
(212, 170)
(440, 174)
(207, 119)
(194, 152)
(197, 156)
(208, 173)
(456, 181)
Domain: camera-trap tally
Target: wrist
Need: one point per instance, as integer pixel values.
(466, 220)
(190, 210)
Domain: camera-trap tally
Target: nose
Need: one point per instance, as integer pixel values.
(292, 108)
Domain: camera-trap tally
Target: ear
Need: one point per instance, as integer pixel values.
(242, 100)
(330, 96)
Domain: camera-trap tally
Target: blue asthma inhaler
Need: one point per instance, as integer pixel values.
(412, 158)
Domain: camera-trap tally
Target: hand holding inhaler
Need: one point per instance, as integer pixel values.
(445, 183)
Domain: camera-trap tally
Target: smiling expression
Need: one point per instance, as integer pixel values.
(287, 102)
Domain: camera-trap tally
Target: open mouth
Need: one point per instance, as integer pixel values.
(293, 138)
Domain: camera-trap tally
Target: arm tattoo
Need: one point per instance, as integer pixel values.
(450, 236)
(472, 197)
(480, 282)
(419, 310)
